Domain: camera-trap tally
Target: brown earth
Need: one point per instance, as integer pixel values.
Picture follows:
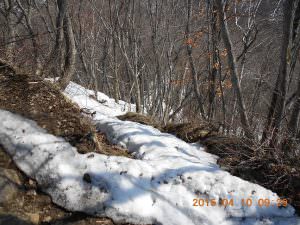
(43, 102)
(139, 118)
(30, 206)
(188, 132)
(266, 166)
(239, 156)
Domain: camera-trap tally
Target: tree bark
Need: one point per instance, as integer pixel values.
(214, 62)
(189, 49)
(27, 16)
(233, 69)
(277, 106)
(70, 57)
(11, 34)
(116, 76)
(293, 123)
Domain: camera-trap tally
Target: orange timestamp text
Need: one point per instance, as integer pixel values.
(247, 202)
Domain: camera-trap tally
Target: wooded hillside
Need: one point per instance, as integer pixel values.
(232, 64)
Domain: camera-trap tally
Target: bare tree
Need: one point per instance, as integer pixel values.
(276, 110)
(189, 48)
(70, 54)
(27, 14)
(8, 12)
(233, 68)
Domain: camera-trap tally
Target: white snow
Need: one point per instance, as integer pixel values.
(108, 107)
(157, 187)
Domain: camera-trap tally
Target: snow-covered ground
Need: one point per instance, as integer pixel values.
(157, 187)
(108, 107)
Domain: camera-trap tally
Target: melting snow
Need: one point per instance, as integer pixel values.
(157, 187)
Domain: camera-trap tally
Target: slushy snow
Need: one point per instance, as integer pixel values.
(156, 187)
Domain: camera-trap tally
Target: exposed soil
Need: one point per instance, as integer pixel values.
(30, 206)
(142, 119)
(241, 157)
(257, 164)
(189, 132)
(192, 132)
(44, 103)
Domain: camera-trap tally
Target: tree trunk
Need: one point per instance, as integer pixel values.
(293, 123)
(189, 49)
(11, 33)
(27, 16)
(233, 69)
(214, 62)
(70, 57)
(277, 106)
(116, 76)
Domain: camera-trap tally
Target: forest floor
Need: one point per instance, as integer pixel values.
(25, 204)
(241, 157)
(42, 102)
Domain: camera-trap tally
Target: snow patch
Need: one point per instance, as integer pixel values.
(103, 104)
(157, 187)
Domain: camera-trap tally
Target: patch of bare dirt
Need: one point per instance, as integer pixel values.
(192, 132)
(43, 102)
(262, 165)
(142, 119)
(189, 132)
(241, 157)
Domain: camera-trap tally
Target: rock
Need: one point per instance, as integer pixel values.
(47, 219)
(32, 184)
(11, 175)
(21, 201)
(31, 192)
(34, 218)
(8, 190)
(87, 178)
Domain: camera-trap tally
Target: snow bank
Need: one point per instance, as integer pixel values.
(157, 187)
(108, 107)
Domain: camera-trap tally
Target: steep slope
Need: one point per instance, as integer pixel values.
(158, 186)
(42, 102)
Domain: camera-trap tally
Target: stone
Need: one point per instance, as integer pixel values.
(34, 218)
(31, 192)
(21, 201)
(32, 184)
(8, 190)
(47, 219)
(11, 175)
(87, 178)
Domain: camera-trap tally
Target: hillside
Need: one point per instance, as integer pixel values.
(150, 112)
(155, 181)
